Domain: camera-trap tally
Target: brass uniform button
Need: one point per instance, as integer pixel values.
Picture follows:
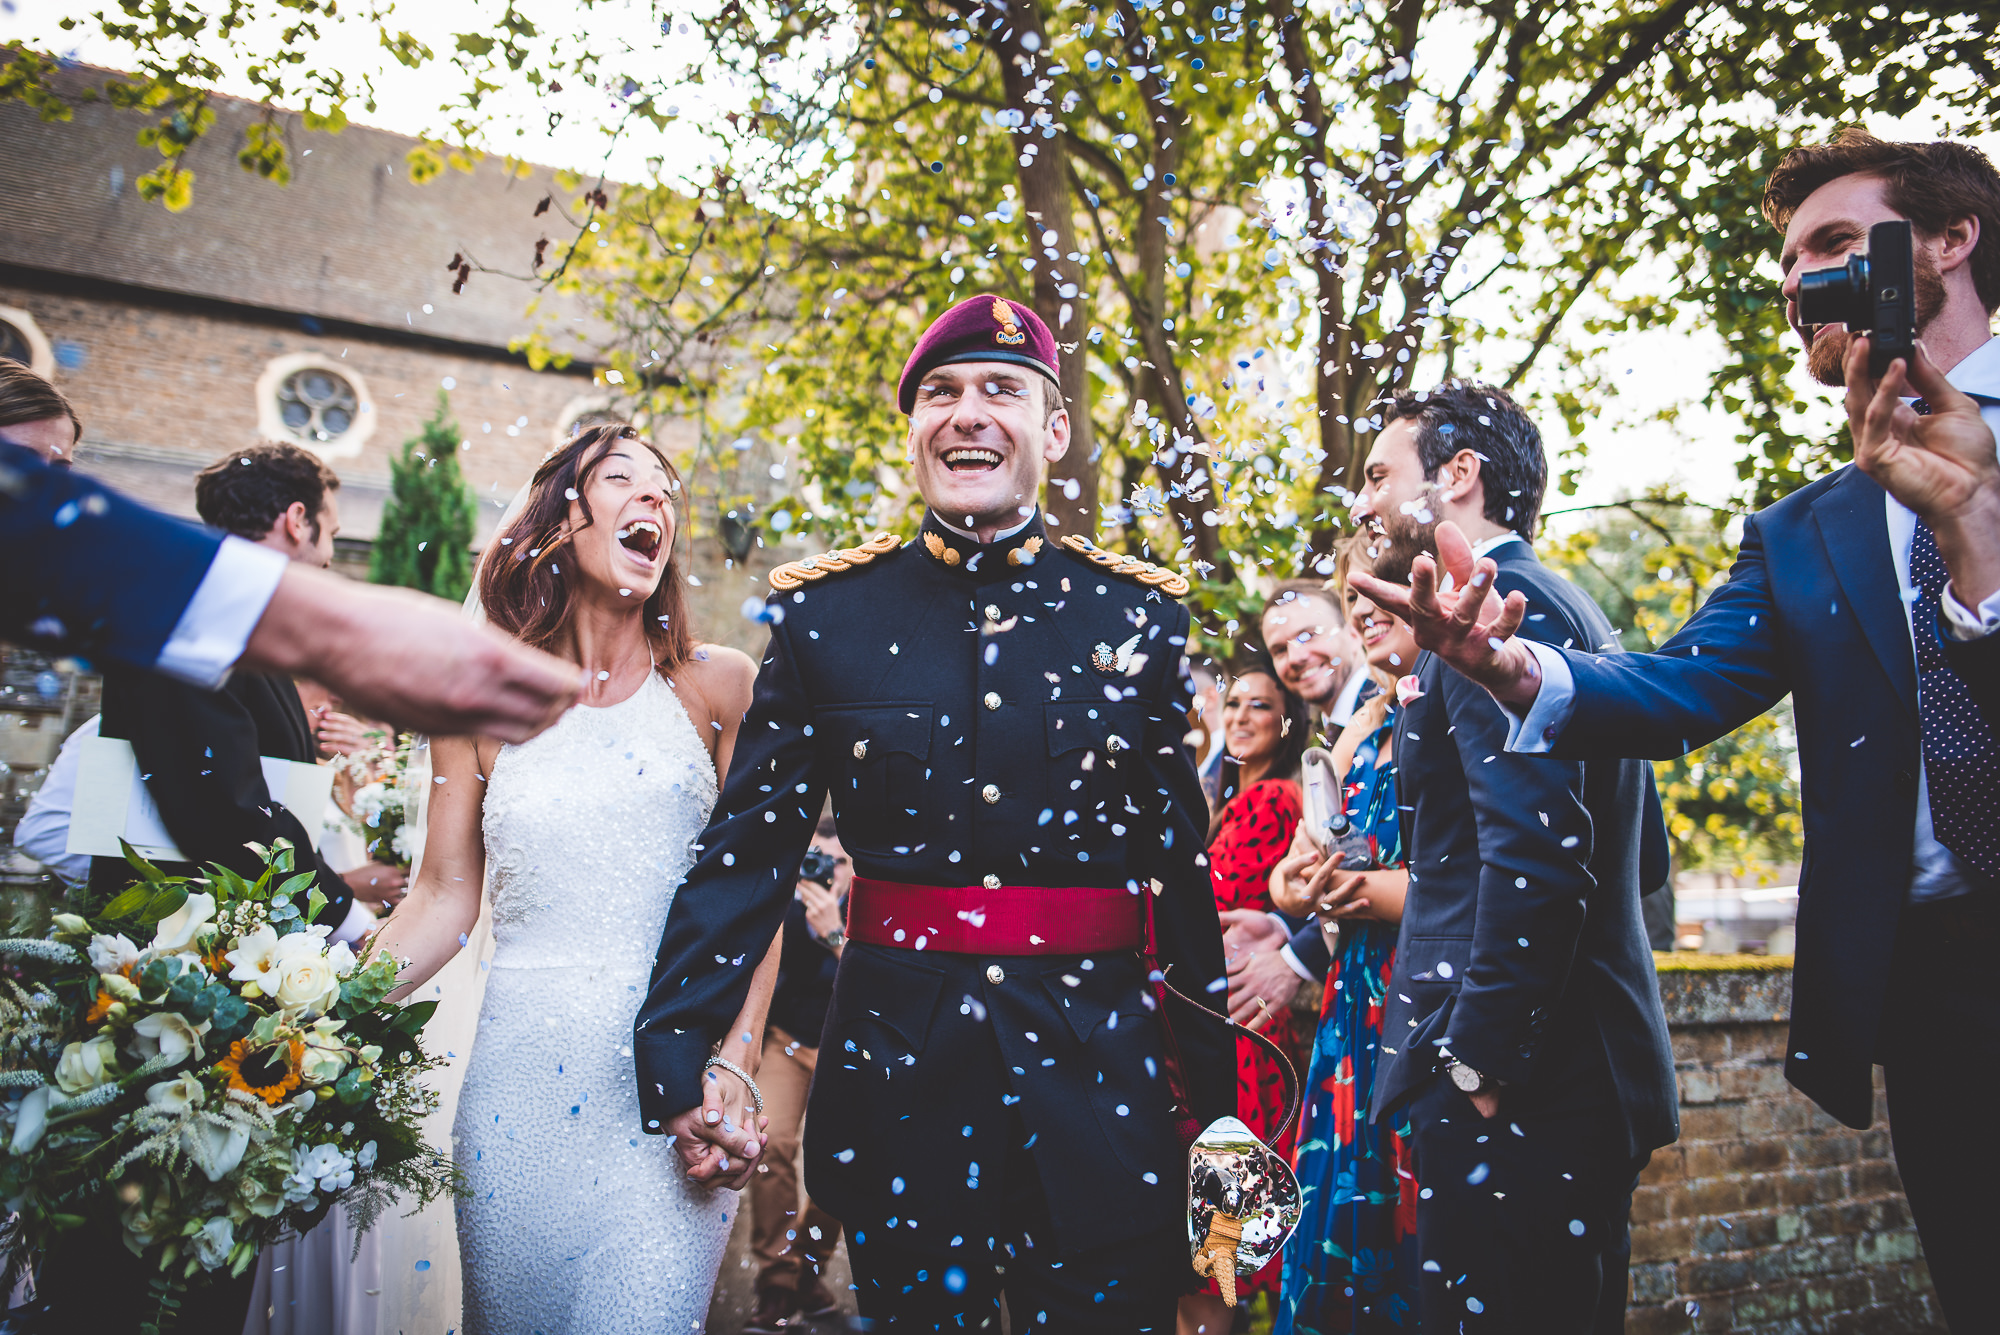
(1114, 744)
(995, 974)
(992, 612)
(993, 699)
(991, 792)
(992, 882)
(861, 750)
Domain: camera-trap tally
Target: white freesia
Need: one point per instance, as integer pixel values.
(168, 1034)
(319, 1166)
(176, 1095)
(364, 1159)
(31, 1118)
(178, 929)
(216, 1150)
(87, 1065)
(256, 959)
(211, 1245)
(341, 957)
(109, 954)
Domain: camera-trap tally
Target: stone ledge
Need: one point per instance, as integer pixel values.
(1725, 989)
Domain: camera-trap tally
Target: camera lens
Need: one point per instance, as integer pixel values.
(1836, 296)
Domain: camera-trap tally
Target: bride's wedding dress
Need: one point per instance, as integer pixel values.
(578, 1222)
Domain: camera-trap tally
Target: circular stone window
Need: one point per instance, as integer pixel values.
(311, 401)
(22, 340)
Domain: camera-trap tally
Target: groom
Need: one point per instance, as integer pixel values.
(996, 710)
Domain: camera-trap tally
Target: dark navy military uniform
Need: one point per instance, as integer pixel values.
(1007, 714)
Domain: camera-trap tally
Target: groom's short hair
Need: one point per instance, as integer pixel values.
(245, 491)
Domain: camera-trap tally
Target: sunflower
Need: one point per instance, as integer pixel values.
(270, 1072)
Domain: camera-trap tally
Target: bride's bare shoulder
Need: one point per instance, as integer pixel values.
(720, 677)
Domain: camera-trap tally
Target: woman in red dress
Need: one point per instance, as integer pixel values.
(1265, 729)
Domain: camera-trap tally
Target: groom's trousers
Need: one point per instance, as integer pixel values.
(953, 1282)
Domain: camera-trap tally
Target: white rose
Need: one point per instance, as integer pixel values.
(168, 1034)
(177, 930)
(321, 1066)
(176, 1095)
(216, 1150)
(341, 957)
(255, 959)
(310, 984)
(31, 1118)
(109, 954)
(87, 1065)
(143, 1217)
(212, 1245)
(264, 1201)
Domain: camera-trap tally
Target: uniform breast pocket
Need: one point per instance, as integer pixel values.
(878, 757)
(1093, 755)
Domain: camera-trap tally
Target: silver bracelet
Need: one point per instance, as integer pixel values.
(756, 1094)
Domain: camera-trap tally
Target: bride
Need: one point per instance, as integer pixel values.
(577, 1221)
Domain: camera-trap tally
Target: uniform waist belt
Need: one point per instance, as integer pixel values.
(1010, 920)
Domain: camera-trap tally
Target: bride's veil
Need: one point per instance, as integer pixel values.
(419, 1252)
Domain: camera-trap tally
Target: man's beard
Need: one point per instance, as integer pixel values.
(1398, 545)
(1826, 358)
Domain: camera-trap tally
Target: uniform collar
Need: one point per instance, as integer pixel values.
(952, 549)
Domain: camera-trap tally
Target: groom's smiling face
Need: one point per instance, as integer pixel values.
(630, 535)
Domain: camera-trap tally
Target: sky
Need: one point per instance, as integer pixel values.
(1653, 370)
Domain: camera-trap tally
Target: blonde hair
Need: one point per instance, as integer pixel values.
(1352, 554)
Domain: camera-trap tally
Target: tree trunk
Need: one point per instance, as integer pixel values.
(1071, 503)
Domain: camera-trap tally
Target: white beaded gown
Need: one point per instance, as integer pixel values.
(579, 1224)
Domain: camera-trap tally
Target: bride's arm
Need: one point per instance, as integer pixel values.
(431, 924)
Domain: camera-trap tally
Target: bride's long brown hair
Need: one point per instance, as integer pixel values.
(521, 582)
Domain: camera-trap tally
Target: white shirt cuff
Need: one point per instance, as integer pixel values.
(1292, 959)
(215, 627)
(1966, 625)
(1536, 731)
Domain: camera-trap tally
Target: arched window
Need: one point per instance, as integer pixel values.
(22, 340)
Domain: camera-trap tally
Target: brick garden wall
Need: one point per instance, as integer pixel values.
(1767, 1216)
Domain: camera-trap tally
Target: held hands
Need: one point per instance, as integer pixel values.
(719, 1142)
(1942, 466)
(1458, 617)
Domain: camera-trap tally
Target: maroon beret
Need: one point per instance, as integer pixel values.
(984, 328)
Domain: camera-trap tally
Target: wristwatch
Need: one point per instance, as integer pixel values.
(834, 940)
(1468, 1080)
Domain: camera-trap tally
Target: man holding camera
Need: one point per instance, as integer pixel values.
(792, 1237)
(1872, 597)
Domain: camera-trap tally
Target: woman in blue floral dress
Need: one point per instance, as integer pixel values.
(1352, 1264)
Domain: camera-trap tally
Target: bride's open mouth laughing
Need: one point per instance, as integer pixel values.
(642, 538)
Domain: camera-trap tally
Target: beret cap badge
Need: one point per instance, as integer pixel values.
(1009, 332)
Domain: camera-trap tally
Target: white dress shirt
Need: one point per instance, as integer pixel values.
(1937, 873)
(43, 833)
(215, 626)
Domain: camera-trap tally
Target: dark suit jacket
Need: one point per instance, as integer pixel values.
(199, 752)
(1522, 950)
(71, 584)
(966, 724)
(1811, 609)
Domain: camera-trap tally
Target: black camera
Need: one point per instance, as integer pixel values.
(1872, 294)
(817, 865)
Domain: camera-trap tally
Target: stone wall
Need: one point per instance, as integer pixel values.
(1768, 1215)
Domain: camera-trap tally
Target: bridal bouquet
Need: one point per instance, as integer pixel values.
(192, 1068)
(379, 807)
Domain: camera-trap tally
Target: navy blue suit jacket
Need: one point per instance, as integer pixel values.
(1522, 950)
(1812, 609)
(90, 572)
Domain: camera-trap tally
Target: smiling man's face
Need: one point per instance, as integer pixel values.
(1829, 226)
(980, 434)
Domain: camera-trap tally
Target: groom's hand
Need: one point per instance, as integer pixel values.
(1457, 616)
(720, 1142)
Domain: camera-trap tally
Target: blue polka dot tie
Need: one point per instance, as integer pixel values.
(1961, 761)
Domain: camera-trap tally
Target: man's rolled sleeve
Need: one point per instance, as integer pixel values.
(1961, 624)
(1535, 732)
(215, 627)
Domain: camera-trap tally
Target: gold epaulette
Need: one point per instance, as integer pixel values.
(792, 574)
(1157, 577)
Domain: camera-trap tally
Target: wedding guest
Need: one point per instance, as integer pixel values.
(791, 1237)
(43, 833)
(1352, 1264)
(1266, 729)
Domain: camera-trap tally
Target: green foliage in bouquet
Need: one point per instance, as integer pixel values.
(206, 1093)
